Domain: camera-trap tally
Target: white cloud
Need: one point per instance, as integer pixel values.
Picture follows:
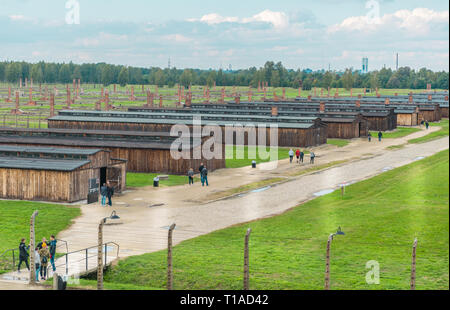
(179, 38)
(415, 22)
(17, 17)
(277, 19)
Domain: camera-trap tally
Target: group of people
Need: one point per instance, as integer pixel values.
(427, 125)
(107, 191)
(300, 156)
(203, 175)
(44, 253)
(380, 136)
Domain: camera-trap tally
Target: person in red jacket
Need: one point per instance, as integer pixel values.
(297, 153)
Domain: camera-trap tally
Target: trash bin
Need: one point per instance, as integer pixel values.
(253, 164)
(156, 182)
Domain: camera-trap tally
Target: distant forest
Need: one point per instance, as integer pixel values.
(273, 73)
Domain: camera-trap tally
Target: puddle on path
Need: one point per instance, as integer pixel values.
(323, 192)
(262, 189)
(419, 158)
(387, 168)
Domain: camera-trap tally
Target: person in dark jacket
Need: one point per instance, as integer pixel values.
(191, 176)
(312, 157)
(104, 193)
(427, 124)
(302, 155)
(369, 136)
(39, 245)
(52, 250)
(23, 254)
(380, 135)
(44, 254)
(201, 168)
(204, 175)
(109, 193)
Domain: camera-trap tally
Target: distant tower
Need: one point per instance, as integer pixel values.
(365, 65)
(169, 63)
(396, 63)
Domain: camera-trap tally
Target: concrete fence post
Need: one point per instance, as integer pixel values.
(169, 259)
(100, 256)
(246, 261)
(327, 267)
(413, 266)
(32, 247)
(55, 281)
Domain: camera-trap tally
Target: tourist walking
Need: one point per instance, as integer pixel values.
(191, 176)
(104, 193)
(427, 124)
(302, 155)
(369, 136)
(109, 193)
(201, 168)
(52, 250)
(291, 155)
(380, 135)
(313, 156)
(23, 254)
(37, 263)
(45, 256)
(297, 154)
(44, 240)
(204, 176)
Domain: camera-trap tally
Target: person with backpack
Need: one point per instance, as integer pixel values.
(313, 156)
(44, 253)
(302, 155)
(201, 168)
(427, 124)
(109, 193)
(380, 135)
(291, 155)
(23, 254)
(191, 176)
(37, 263)
(204, 175)
(104, 193)
(369, 136)
(297, 154)
(52, 250)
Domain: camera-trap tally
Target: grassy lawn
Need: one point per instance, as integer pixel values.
(397, 133)
(15, 221)
(146, 179)
(434, 135)
(232, 160)
(338, 142)
(380, 216)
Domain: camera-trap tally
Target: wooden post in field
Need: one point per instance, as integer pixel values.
(327, 267)
(413, 266)
(32, 247)
(100, 255)
(246, 261)
(169, 259)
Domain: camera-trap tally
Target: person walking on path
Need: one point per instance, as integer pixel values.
(297, 154)
(37, 263)
(302, 155)
(369, 136)
(427, 124)
(204, 175)
(291, 155)
(109, 193)
(191, 176)
(104, 193)
(421, 123)
(201, 168)
(380, 135)
(23, 254)
(52, 250)
(45, 255)
(313, 156)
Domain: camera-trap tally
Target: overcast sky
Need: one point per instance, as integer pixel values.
(243, 33)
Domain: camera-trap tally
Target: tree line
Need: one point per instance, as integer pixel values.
(275, 74)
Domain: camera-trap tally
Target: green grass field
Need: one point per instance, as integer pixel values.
(380, 216)
(394, 134)
(338, 142)
(444, 131)
(234, 161)
(146, 179)
(15, 221)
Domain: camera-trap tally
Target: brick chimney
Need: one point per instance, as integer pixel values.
(188, 102)
(237, 100)
(274, 111)
(358, 103)
(322, 107)
(160, 101)
(430, 97)
(446, 98)
(309, 98)
(52, 105)
(386, 101)
(396, 94)
(410, 99)
(359, 96)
